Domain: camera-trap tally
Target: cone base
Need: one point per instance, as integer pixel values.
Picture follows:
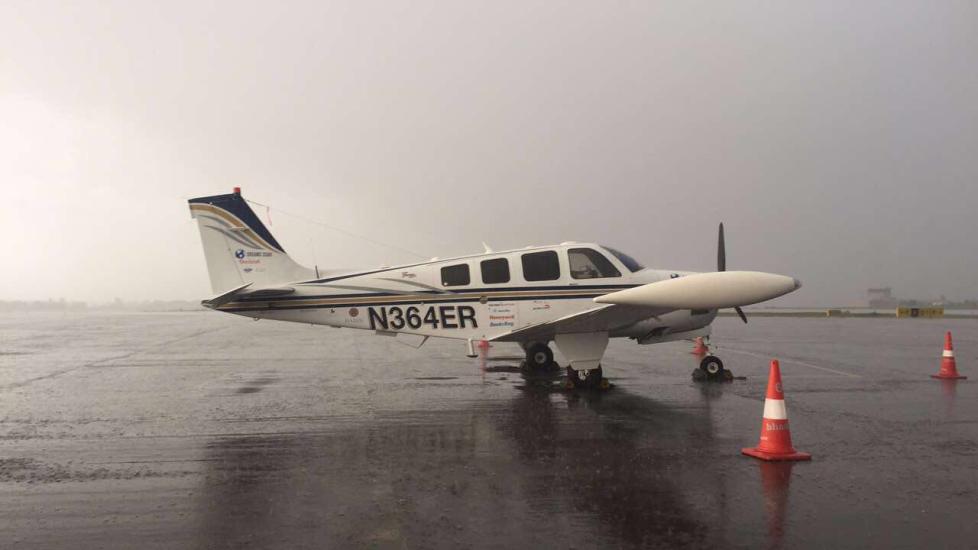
(776, 457)
(945, 377)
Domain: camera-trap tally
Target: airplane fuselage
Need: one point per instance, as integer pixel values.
(474, 297)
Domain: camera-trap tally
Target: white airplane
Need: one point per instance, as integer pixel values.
(577, 295)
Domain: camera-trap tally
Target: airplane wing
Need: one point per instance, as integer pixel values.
(601, 318)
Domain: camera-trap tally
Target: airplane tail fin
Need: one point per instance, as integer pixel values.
(238, 247)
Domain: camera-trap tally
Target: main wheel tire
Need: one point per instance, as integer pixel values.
(539, 357)
(585, 379)
(712, 366)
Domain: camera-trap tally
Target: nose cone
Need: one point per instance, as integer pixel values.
(797, 284)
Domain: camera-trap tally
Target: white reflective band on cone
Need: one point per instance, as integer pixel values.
(948, 353)
(774, 409)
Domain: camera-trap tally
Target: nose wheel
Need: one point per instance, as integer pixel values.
(712, 366)
(712, 369)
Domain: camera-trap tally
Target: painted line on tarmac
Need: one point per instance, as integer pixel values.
(103, 362)
(802, 363)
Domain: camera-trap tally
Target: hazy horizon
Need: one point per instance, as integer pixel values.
(836, 142)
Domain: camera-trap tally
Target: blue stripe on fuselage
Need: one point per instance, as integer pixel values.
(273, 307)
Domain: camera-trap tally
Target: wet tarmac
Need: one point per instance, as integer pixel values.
(202, 430)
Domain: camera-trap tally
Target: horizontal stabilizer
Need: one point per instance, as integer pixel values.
(705, 291)
(221, 299)
(271, 292)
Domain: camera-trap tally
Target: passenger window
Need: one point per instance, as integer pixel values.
(586, 263)
(541, 266)
(495, 271)
(455, 275)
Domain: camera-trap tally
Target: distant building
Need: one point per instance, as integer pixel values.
(881, 298)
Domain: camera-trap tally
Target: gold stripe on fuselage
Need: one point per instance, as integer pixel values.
(411, 299)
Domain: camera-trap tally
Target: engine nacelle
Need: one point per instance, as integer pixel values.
(661, 326)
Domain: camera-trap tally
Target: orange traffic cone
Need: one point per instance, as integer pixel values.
(775, 441)
(699, 348)
(949, 369)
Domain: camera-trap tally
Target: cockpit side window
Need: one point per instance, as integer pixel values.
(629, 262)
(587, 263)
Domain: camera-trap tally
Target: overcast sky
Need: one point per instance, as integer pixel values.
(838, 141)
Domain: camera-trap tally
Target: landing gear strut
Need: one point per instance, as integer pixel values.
(586, 379)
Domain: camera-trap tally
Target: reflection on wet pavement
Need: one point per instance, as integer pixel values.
(260, 435)
(566, 470)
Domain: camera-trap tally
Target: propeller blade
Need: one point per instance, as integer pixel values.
(741, 313)
(721, 252)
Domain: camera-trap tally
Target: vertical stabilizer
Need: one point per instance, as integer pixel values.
(238, 247)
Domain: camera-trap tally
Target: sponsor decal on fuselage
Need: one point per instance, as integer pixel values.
(415, 317)
(502, 315)
(496, 321)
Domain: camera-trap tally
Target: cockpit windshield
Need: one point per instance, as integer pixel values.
(629, 262)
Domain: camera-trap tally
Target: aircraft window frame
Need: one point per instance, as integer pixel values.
(600, 265)
(538, 276)
(453, 271)
(505, 271)
(630, 263)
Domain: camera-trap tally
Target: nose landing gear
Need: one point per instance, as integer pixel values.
(712, 365)
(711, 368)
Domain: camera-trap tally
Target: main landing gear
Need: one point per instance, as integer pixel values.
(540, 360)
(539, 357)
(587, 379)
